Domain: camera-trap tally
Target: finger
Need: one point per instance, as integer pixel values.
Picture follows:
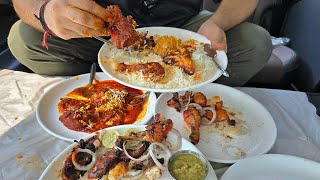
(84, 31)
(84, 18)
(67, 34)
(217, 45)
(91, 7)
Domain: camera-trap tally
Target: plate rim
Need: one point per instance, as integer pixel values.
(213, 78)
(256, 101)
(262, 158)
(51, 132)
(51, 164)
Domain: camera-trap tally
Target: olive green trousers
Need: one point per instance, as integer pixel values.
(249, 48)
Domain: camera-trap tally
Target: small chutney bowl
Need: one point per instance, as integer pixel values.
(189, 152)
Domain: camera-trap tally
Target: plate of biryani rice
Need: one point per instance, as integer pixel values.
(165, 59)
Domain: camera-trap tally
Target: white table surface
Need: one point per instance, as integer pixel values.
(296, 119)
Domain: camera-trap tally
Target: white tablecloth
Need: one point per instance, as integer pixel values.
(26, 149)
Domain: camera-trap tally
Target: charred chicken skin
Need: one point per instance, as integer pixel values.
(69, 172)
(153, 70)
(192, 118)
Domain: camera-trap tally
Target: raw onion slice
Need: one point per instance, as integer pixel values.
(154, 158)
(197, 106)
(141, 158)
(176, 144)
(214, 115)
(85, 167)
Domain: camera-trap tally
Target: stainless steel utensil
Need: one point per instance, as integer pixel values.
(212, 53)
(92, 72)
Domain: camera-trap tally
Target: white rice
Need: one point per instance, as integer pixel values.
(175, 77)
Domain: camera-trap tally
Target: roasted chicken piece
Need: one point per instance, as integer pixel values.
(192, 118)
(121, 28)
(184, 62)
(200, 99)
(155, 132)
(104, 164)
(153, 70)
(174, 102)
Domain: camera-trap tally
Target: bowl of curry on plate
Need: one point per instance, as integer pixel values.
(72, 109)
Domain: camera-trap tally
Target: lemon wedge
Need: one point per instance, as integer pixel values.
(109, 138)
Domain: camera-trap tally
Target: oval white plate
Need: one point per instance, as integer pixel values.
(262, 127)
(273, 167)
(53, 170)
(47, 111)
(180, 33)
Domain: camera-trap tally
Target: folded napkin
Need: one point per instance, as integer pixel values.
(20, 93)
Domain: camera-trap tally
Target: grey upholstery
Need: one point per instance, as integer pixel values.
(283, 59)
(303, 27)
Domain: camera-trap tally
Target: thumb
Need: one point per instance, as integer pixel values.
(217, 45)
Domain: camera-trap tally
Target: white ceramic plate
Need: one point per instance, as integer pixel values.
(47, 111)
(180, 33)
(273, 167)
(216, 147)
(52, 171)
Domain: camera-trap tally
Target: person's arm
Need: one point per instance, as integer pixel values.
(66, 18)
(229, 14)
(25, 10)
(233, 12)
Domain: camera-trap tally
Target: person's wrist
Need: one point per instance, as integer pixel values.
(217, 22)
(46, 29)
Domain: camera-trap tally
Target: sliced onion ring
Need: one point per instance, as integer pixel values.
(81, 167)
(197, 106)
(141, 158)
(214, 115)
(154, 158)
(173, 146)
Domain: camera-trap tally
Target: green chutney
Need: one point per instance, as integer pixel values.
(187, 167)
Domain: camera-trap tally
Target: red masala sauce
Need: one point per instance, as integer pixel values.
(97, 106)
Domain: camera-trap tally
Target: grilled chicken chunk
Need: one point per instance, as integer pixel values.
(184, 62)
(153, 70)
(104, 164)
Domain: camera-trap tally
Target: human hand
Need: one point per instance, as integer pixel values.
(76, 18)
(215, 34)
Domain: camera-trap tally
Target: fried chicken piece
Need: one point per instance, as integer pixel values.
(200, 99)
(104, 164)
(149, 70)
(218, 105)
(193, 119)
(184, 62)
(174, 102)
(121, 28)
(222, 115)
